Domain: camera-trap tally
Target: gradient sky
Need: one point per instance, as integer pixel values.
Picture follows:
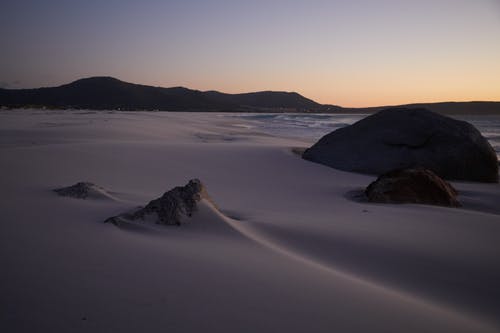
(349, 53)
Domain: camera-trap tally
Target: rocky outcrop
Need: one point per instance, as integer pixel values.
(419, 186)
(171, 207)
(408, 138)
(84, 190)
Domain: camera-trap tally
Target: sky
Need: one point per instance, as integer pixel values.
(350, 53)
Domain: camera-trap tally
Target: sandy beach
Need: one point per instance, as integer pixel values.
(289, 247)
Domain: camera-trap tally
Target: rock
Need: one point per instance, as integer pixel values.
(170, 207)
(419, 186)
(84, 190)
(408, 138)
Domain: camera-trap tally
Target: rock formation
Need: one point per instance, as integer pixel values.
(419, 186)
(84, 190)
(171, 207)
(408, 138)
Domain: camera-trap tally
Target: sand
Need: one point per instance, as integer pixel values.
(288, 248)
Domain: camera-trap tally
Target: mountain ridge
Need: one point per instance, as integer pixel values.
(105, 92)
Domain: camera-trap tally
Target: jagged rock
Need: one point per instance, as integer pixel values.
(408, 138)
(419, 186)
(170, 207)
(83, 190)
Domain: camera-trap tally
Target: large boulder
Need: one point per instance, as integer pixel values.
(401, 138)
(419, 186)
(170, 208)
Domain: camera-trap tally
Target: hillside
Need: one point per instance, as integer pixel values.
(110, 93)
(107, 93)
(457, 108)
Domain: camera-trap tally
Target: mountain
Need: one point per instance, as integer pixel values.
(107, 93)
(267, 99)
(110, 93)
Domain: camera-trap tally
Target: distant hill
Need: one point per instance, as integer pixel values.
(102, 93)
(107, 93)
(266, 99)
(457, 108)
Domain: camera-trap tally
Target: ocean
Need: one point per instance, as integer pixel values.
(314, 126)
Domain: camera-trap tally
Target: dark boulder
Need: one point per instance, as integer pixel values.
(419, 186)
(408, 138)
(170, 207)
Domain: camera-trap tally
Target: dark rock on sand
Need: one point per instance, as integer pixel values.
(170, 207)
(408, 138)
(419, 185)
(84, 190)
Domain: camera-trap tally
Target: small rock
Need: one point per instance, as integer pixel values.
(81, 190)
(421, 186)
(170, 207)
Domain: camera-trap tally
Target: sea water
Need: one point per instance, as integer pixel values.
(314, 126)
